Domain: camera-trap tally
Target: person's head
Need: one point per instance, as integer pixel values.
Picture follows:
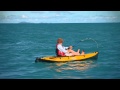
(59, 40)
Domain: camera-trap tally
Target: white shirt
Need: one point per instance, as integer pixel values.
(62, 48)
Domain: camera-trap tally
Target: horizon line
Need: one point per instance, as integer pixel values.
(57, 22)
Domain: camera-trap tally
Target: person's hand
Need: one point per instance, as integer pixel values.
(70, 47)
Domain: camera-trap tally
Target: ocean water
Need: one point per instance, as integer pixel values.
(20, 44)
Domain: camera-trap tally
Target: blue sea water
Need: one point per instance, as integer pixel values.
(21, 43)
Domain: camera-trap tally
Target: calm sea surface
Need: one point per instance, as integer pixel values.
(20, 44)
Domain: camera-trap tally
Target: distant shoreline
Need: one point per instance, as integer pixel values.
(57, 23)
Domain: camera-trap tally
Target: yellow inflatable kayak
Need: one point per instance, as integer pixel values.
(67, 58)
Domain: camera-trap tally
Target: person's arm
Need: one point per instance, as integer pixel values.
(61, 48)
(65, 47)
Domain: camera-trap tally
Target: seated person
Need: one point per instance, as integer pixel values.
(61, 50)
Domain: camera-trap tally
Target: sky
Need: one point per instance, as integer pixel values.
(59, 16)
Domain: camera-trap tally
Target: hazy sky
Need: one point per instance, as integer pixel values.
(59, 16)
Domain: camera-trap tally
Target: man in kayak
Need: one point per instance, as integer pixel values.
(63, 51)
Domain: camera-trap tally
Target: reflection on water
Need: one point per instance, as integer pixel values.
(75, 65)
